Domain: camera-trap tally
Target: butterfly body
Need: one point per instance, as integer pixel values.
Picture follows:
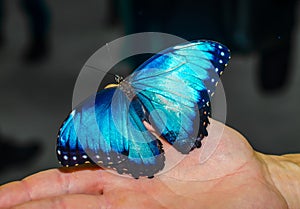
(171, 91)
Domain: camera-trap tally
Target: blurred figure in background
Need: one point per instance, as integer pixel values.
(271, 28)
(16, 155)
(13, 153)
(38, 17)
(1, 23)
(243, 25)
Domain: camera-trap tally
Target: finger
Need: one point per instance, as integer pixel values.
(67, 201)
(55, 182)
(124, 199)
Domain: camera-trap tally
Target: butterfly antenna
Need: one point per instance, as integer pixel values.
(118, 78)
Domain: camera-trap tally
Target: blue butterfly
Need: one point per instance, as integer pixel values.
(171, 91)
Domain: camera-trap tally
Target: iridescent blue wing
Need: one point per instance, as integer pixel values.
(109, 131)
(171, 91)
(175, 86)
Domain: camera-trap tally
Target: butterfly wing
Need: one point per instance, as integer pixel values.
(103, 131)
(175, 87)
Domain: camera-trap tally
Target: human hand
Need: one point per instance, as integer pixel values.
(234, 176)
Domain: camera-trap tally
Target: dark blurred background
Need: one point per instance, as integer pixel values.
(44, 44)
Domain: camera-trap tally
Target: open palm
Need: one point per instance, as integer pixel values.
(233, 177)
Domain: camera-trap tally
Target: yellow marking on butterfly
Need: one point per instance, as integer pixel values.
(111, 85)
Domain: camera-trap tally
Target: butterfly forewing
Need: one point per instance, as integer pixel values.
(177, 83)
(101, 131)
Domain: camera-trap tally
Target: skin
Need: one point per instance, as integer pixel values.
(234, 176)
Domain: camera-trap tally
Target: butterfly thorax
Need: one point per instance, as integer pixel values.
(124, 86)
(127, 89)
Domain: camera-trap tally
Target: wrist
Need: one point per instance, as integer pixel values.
(284, 172)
